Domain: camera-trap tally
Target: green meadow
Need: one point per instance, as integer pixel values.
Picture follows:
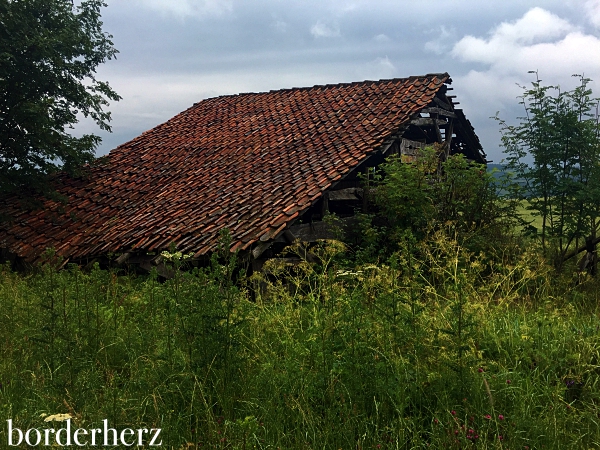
(433, 347)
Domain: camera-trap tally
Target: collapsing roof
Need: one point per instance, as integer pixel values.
(250, 163)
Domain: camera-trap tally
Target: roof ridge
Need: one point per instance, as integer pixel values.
(273, 91)
(329, 85)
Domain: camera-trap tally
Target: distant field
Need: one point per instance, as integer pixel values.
(523, 208)
(527, 214)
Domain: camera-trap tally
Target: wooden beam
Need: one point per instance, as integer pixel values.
(346, 194)
(438, 133)
(325, 205)
(448, 140)
(584, 247)
(442, 104)
(410, 149)
(124, 257)
(386, 146)
(289, 236)
(392, 140)
(311, 232)
(438, 111)
(261, 248)
(428, 122)
(365, 199)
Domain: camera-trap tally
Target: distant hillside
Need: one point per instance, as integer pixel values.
(498, 167)
(501, 171)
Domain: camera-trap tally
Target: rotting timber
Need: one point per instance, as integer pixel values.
(439, 124)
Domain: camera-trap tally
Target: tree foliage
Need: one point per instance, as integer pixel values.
(456, 190)
(49, 52)
(419, 197)
(555, 150)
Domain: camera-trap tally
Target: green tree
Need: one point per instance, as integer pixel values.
(555, 149)
(49, 52)
(425, 195)
(419, 194)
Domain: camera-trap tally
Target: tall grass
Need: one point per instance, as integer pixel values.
(435, 348)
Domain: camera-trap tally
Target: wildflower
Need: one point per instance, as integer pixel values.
(487, 416)
(500, 438)
(480, 370)
(455, 431)
(436, 421)
(453, 412)
(58, 418)
(508, 381)
(501, 417)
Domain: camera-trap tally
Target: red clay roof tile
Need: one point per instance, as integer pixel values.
(250, 162)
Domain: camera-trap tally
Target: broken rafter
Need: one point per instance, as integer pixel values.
(442, 104)
(346, 194)
(428, 122)
(261, 248)
(436, 127)
(438, 111)
(448, 137)
(575, 252)
(123, 258)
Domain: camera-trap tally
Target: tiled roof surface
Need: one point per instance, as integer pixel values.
(251, 163)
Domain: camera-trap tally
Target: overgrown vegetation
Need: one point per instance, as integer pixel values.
(555, 150)
(435, 347)
(417, 198)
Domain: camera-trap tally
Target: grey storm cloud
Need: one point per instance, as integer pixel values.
(174, 53)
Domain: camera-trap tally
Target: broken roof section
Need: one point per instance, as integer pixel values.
(251, 163)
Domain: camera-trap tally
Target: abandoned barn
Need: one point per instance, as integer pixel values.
(266, 166)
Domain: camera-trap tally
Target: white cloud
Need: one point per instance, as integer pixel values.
(536, 25)
(379, 68)
(321, 29)
(279, 25)
(506, 41)
(381, 38)
(184, 8)
(592, 8)
(538, 41)
(440, 45)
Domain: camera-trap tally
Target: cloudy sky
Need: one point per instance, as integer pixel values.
(174, 53)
